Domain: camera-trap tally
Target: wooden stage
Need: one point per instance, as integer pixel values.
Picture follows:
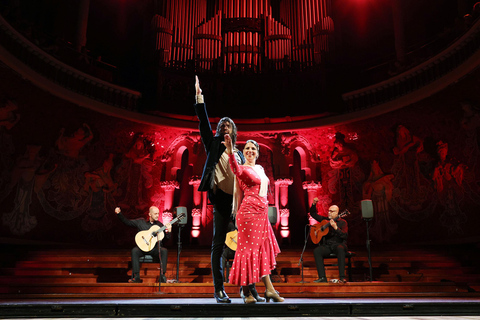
(53, 282)
(165, 307)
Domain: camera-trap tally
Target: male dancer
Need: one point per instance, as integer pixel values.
(218, 180)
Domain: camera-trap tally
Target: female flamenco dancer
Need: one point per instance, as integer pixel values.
(257, 246)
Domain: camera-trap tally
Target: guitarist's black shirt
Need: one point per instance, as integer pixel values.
(141, 224)
(333, 237)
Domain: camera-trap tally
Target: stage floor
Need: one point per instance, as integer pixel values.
(191, 308)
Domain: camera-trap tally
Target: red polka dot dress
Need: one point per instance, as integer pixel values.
(257, 246)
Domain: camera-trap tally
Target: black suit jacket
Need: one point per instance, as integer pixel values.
(213, 148)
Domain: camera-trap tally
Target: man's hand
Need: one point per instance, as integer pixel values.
(117, 210)
(228, 143)
(333, 224)
(169, 227)
(198, 91)
(315, 200)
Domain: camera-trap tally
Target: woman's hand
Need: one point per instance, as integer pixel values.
(228, 143)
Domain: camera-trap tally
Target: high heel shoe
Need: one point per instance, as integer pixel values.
(254, 293)
(248, 298)
(273, 295)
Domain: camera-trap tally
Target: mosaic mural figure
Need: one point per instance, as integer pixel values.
(470, 123)
(411, 188)
(8, 118)
(447, 179)
(379, 189)
(61, 195)
(102, 188)
(342, 160)
(137, 168)
(19, 220)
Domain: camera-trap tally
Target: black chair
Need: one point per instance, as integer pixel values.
(150, 259)
(348, 256)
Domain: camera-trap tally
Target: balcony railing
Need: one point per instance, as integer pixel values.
(418, 77)
(63, 74)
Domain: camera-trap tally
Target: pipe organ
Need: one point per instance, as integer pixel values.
(242, 36)
(312, 29)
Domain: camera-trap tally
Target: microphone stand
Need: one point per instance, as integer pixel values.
(179, 249)
(300, 262)
(368, 250)
(159, 243)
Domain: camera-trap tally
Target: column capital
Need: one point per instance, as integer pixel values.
(311, 185)
(283, 182)
(169, 185)
(194, 181)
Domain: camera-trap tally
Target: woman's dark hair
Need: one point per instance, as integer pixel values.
(256, 145)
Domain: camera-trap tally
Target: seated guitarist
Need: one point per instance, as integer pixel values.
(335, 241)
(144, 224)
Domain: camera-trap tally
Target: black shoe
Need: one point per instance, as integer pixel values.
(163, 278)
(135, 280)
(221, 297)
(255, 294)
(321, 280)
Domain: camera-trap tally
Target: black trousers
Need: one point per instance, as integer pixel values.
(137, 254)
(323, 251)
(222, 210)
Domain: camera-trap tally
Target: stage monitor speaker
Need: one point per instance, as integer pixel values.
(272, 215)
(367, 209)
(179, 210)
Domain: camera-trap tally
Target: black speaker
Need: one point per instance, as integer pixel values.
(179, 210)
(272, 215)
(367, 209)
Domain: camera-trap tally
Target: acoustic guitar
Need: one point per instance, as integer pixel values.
(231, 240)
(147, 239)
(317, 231)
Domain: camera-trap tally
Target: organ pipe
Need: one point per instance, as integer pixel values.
(240, 33)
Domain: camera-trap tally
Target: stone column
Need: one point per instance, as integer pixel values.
(169, 187)
(197, 195)
(284, 216)
(196, 222)
(197, 211)
(281, 202)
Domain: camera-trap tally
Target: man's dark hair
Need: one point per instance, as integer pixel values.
(234, 128)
